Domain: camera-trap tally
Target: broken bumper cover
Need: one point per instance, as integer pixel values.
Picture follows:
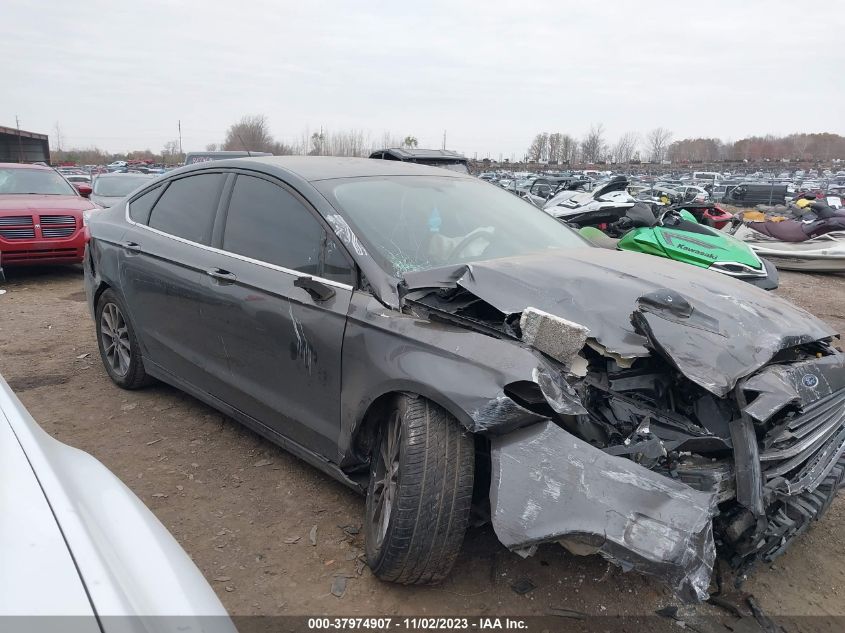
(548, 485)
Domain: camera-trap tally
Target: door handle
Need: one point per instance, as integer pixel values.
(222, 275)
(318, 291)
(132, 246)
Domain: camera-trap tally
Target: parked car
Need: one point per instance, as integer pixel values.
(439, 343)
(42, 216)
(77, 542)
(752, 194)
(191, 158)
(118, 164)
(111, 188)
(444, 158)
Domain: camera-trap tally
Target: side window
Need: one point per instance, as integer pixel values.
(335, 265)
(140, 207)
(267, 223)
(187, 207)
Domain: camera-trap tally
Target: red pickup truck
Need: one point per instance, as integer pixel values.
(42, 216)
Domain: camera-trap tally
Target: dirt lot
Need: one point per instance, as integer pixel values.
(245, 510)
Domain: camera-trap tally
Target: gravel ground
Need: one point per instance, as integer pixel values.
(245, 510)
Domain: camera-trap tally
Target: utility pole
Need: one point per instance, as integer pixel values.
(444, 139)
(20, 143)
(179, 123)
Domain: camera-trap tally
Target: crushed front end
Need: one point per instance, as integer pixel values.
(692, 424)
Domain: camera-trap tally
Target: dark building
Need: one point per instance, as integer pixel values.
(20, 146)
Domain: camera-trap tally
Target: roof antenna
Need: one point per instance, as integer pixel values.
(240, 138)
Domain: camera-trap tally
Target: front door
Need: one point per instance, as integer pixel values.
(281, 299)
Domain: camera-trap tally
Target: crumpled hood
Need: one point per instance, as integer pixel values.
(714, 329)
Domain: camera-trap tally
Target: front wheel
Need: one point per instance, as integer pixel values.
(420, 491)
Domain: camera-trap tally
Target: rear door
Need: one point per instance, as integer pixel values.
(164, 270)
(279, 313)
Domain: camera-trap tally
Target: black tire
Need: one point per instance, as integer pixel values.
(120, 353)
(432, 494)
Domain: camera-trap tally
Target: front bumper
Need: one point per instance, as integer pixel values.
(788, 464)
(548, 485)
(68, 250)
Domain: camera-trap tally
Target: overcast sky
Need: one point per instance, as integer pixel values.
(118, 75)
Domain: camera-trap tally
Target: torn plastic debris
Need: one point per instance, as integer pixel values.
(547, 485)
(502, 415)
(558, 393)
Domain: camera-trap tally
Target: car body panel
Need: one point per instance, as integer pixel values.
(36, 560)
(128, 561)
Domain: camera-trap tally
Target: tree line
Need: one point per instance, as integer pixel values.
(593, 147)
(252, 132)
(657, 146)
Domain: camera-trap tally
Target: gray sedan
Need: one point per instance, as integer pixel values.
(443, 345)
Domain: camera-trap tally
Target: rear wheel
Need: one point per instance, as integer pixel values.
(420, 491)
(119, 349)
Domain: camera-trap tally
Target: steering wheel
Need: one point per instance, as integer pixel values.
(469, 239)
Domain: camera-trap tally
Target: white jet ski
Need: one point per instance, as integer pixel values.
(822, 254)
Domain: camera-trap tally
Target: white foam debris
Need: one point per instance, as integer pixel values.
(552, 335)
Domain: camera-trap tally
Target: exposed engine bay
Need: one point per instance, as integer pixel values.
(657, 460)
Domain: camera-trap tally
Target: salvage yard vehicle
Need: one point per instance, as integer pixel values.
(444, 345)
(110, 188)
(42, 216)
(77, 542)
(444, 158)
(191, 158)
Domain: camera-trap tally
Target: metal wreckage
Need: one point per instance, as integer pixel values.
(658, 425)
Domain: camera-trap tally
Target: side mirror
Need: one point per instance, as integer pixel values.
(83, 189)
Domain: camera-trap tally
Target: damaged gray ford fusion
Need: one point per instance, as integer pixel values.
(480, 355)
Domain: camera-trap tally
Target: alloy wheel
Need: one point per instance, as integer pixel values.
(386, 477)
(114, 334)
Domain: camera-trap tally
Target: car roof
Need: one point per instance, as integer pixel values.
(314, 168)
(405, 153)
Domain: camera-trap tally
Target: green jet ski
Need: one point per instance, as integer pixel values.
(613, 219)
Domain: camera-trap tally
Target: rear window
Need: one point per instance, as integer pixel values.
(140, 207)
(187, 207)
(117, 186)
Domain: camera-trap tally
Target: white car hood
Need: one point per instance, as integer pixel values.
(37, 576)
(128, 563)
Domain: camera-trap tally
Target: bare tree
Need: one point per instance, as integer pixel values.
(626, 147)
(170, 153)
(59, 144)
(212, 147)
(251, 133)
(658, 144)
(538, 148)
(568, 149)
(554, 146)
(593, 147)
